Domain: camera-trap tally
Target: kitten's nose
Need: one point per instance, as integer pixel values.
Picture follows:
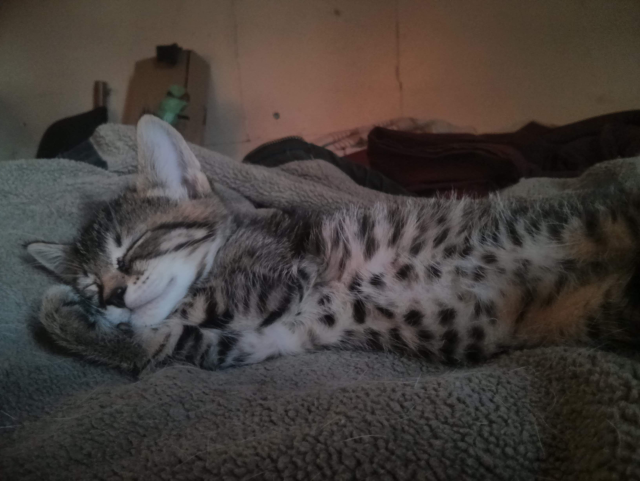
(116, 297)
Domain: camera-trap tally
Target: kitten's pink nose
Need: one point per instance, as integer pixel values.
(116, 297)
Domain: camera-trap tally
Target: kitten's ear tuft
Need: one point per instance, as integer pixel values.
(166, 162)
(50, 256)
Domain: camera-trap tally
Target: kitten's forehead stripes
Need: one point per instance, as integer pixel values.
(154, 254)
(183, 225)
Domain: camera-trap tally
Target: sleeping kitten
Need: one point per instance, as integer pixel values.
(165, 272)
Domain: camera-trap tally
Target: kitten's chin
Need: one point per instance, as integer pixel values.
(158, 297)
(117, 315)
(161, 306)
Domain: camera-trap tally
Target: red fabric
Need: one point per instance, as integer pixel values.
(360, 157)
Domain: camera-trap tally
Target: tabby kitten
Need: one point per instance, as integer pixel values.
(167, 272)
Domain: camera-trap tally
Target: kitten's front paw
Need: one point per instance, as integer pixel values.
(64, 314)
(79, 326)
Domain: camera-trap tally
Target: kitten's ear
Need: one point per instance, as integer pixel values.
(166, 162)
(50, 256)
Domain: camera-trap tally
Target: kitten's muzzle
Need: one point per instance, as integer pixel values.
(116, 297)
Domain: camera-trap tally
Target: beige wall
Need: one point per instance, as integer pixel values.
(325, 65)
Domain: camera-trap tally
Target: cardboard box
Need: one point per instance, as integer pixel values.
(151, 81)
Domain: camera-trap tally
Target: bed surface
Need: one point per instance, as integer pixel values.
(552, 413)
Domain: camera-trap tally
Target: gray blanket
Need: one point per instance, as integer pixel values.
(553, 413)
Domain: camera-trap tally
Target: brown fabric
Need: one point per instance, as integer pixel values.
(427, 164)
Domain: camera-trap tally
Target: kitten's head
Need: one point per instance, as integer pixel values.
(141, 252)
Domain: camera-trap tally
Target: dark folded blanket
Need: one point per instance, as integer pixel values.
(426, 164)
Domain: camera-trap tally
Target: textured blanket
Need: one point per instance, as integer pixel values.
(553, 413)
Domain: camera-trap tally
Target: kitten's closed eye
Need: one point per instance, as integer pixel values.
(121, 265)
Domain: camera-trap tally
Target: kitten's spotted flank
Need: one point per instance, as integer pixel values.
(166, 271)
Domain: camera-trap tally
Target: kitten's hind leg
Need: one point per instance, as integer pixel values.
(605, 245)
(600, 270)
(573, 266)
(619, 318)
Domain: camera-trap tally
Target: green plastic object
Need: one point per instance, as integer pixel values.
(173, 104)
